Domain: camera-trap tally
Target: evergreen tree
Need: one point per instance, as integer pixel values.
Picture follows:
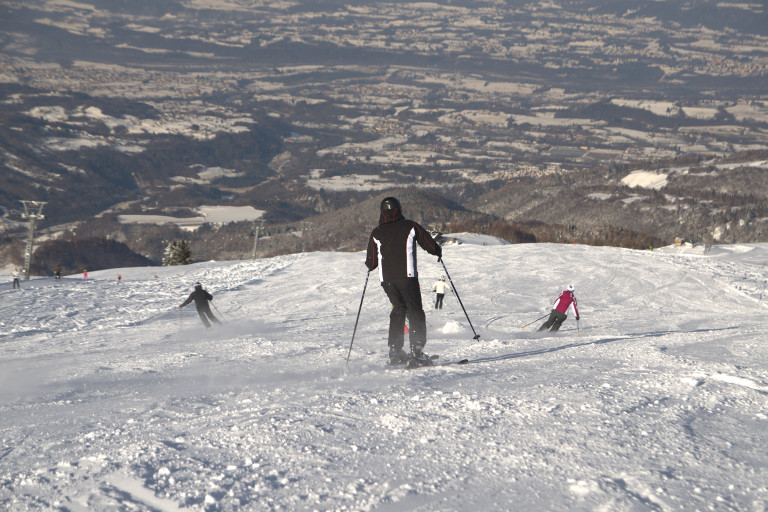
(177, 253)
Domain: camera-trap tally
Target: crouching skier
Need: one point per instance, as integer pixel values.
(392, 248)
(201, 298)
(560, 308)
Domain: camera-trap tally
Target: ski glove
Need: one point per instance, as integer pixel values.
(577, 317)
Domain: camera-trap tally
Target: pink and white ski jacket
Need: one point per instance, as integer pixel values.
(564, 301)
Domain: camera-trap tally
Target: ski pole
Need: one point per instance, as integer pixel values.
(453, 287)
(219, 312)
(578, 330)
(181, 318)
(358, 315)
(532, 321)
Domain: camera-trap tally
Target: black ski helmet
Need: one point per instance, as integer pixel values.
(390, 203)
(198, 286)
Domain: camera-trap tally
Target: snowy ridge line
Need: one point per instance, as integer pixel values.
(602, 341)
(13, 334)
(740, 381)
(548, 350)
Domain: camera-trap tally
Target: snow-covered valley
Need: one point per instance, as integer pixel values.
(111, 399)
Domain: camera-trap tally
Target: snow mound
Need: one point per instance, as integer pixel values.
(451, 328)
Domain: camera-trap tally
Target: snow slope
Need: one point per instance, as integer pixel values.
(110, 399)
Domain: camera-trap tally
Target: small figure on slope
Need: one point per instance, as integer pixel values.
(439, 288)
(560, 310)
(15, 275)
(201, 298)
(391, 248)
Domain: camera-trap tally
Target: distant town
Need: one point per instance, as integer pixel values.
(453, 96)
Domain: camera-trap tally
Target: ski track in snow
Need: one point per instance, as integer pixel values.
(111, 398)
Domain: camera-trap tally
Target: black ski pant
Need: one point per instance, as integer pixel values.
(405, 296)
(205, 315)
(554, 321)
(439, 300)
(16, 284)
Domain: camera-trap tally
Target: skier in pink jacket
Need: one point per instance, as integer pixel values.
(560, 308)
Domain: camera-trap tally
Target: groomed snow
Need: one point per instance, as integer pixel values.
(657, 401)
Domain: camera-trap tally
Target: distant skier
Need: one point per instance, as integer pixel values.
(392, 248)
(15, 275)
(560, 308)
(439, 288)
(57, 273)
(201, 298)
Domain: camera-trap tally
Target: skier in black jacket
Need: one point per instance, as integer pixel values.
(391, 248)
(201, 298)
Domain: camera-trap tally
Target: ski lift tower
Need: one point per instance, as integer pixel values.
(33, 211)
(257, 225)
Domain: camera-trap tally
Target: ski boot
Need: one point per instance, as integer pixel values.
(397, 356)
(419, 358)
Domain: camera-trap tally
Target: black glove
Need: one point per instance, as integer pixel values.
(577, 317)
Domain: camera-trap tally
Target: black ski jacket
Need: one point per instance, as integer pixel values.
(391, 246)
(201, 298)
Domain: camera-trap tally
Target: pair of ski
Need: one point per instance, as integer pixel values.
(413, 364)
